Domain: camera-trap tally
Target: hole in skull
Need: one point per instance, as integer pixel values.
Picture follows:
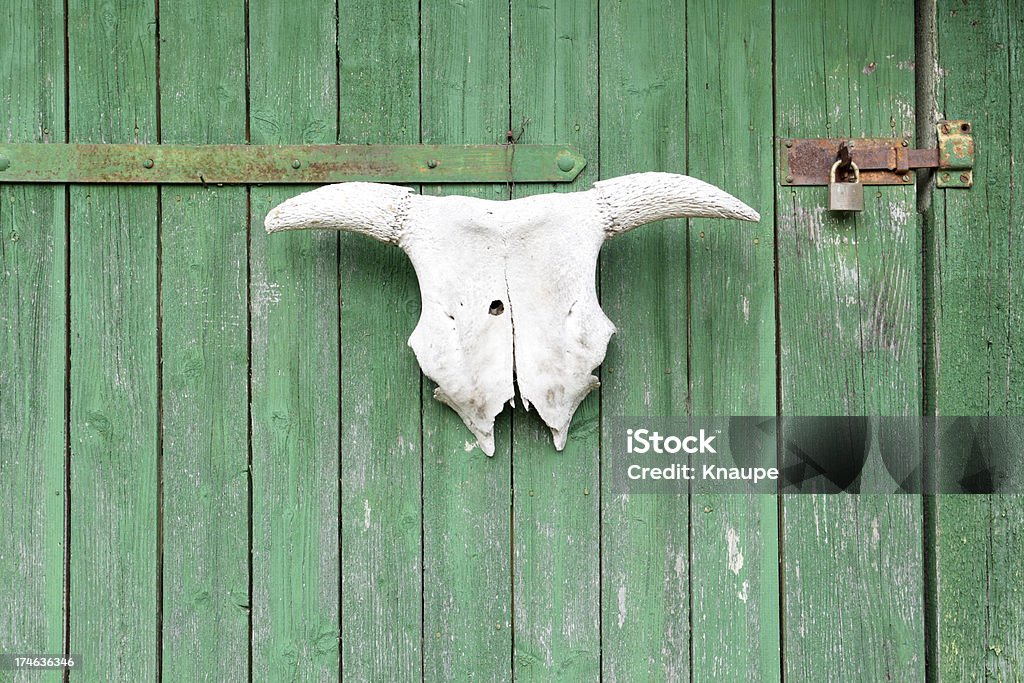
(497, 308)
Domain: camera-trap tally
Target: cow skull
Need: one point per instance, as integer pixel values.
(508, 286)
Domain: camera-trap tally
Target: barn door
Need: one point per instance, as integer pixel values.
(218, 457)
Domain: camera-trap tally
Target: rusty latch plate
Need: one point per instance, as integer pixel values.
(956, 154)
(808, 161)
(882, 161)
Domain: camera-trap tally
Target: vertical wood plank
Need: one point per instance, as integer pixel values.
(850, 340)
(645, 539)
(556, 513)
(380, 396)
(205, 365)
(734, 562)
(293, 297)
(978, 350)
(33, 323)
(112, 98)
(466, 495)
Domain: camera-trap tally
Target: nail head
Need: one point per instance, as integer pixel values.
(565, 162)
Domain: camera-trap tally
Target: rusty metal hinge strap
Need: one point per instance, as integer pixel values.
(275, 164)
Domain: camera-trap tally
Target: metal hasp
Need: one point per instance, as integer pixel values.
(882, 161)
(287, 164)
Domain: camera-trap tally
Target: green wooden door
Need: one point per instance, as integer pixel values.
(219, 459)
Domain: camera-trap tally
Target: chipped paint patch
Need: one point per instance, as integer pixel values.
(744, 591)
(622, 605)
(264, 294)
(366, 514)
(735, 561)
(905, 110)
(898, 213)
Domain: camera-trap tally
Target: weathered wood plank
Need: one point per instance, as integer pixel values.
(556, 511)
(381, 464)
(467, 551)
(293, 298)
(33, 257)
(735, 563)
(205, 365)
(114, 421)
(977, 354)
(850, 339)
(644, 539)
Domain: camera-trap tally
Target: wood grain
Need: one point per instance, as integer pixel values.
(380, 396)
(850, 339)
(556, 507)
(114, 421)
(33, 257)
(293, 300)
(645, 566)
(467, 601)
(734, 538)
(205, 364)
(978, 323)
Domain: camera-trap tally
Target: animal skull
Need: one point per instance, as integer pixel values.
(508, 286)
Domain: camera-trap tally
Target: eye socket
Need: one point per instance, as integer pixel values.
(496, 308)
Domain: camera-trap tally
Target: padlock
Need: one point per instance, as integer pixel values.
(845, 196)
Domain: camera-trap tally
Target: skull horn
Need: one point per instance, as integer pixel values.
(634, 200)
(373, 209)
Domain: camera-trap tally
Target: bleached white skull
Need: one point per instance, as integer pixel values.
(508, 287)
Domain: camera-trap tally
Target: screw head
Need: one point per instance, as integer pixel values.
(945, 128)
(296, 164)
(905, 143)
(432, 163)
(906, 178)
(964, 178)
(789, 143)
(945, 177)
(565, 162)
(789, 179)
(5, 163)
(148, 163)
